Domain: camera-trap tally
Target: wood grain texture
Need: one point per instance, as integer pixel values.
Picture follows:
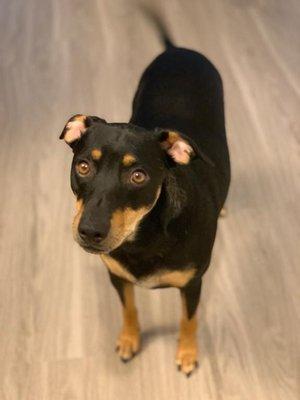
(59, 315)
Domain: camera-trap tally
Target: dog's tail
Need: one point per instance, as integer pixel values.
(159, 25)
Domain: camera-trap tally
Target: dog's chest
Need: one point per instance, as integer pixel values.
(163, 277)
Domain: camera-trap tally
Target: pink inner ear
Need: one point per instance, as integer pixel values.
(181, 152)
(74, 131)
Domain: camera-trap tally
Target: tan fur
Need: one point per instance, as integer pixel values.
(116, 268)
(173, 137)
(223, 212)
(79, 210)
(168, 278)
(81, 118)
(162, 278)
(79, 205)
(124, 223)
(96, 154)
(128, 160)
(187, 350)
(128, 342)
(177, 148)
(75, 128)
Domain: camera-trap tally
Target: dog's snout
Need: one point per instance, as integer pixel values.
(91, 234)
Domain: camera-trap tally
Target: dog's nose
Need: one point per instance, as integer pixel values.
(91, 234)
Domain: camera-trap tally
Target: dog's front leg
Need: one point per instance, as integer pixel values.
(187, 350)
(128, 342)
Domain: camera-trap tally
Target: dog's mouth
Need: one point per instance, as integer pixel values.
(102, 248)
(94, 248)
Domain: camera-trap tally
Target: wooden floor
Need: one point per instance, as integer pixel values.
(59, 316)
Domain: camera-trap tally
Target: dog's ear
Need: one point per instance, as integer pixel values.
(76, 127)
(181, 148)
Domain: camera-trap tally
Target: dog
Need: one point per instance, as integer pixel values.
(149, 192)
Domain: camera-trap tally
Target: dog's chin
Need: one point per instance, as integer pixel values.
(102, 249)
(92, 249)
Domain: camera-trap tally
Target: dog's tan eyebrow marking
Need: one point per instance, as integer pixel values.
(128, 160)
(96, 154)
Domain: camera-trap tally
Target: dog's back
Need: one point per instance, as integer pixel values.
(182, 90)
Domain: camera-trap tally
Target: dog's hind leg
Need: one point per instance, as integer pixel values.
(187, 350)
(128, 342)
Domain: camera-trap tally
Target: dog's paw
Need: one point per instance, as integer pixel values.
(186, 358)
(128, 344)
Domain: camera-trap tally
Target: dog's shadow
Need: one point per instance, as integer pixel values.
(149, 335)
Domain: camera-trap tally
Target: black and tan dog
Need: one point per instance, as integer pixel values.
(149, 192)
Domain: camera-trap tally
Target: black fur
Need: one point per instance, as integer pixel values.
(181, 90)
(191, 293)
(118, 284)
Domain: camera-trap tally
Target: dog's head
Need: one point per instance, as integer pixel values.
(117, 174)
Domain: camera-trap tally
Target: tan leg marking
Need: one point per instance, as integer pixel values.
(187, 350)
(128, 342)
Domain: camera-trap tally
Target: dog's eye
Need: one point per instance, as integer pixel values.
(83, 168)
(138, 177)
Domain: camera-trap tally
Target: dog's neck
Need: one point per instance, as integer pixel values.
(173, 198)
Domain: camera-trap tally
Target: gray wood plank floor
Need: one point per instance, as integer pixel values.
(59, 316)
